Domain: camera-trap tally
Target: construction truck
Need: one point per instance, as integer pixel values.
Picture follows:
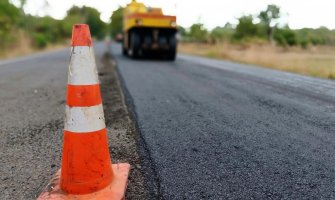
(147, 31)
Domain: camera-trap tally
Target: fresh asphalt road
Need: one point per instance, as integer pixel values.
(209, 129)
(220, 130)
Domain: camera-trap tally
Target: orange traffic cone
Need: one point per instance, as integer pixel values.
(86, 171)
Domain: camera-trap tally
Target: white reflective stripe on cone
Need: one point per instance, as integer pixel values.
(82, 69)
(84, 119)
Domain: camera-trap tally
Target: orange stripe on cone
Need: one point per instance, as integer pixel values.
(86, 172)
(83, 95)
(81, 35)
(86, 165)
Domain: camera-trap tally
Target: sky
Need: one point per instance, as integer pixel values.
(212, 13)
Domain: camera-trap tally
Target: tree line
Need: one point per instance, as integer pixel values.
(45, 30)
(263, 27)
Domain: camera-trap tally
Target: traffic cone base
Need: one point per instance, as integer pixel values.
(114, 191)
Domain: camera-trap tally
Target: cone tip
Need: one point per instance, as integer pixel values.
(81, 35)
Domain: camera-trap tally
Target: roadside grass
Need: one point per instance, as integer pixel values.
(24, 46)
(315, 61)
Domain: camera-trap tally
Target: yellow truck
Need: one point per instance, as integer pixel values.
(147, 31)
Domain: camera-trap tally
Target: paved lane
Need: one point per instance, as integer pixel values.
(220, 130)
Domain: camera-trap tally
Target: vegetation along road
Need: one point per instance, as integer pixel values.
(201, 129)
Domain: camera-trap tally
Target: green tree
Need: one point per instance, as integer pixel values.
(246, 28)
(222, 33)
(45, 30)
(116, 24)
(90, 16)
(67, 24)
(268, 19)
(285, 37)
(97, 26)
(198, 32)
(9, 18)
(319, 36)
(22, 4)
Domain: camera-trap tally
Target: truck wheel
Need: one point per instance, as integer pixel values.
(173, 48)
(172, 55)
(134, 45)
(124, 50)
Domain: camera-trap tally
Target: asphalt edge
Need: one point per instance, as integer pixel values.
(152, 179)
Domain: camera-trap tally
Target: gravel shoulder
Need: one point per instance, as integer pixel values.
(122, 135)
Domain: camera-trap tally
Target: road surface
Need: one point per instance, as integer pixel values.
(207, 129)
(32, 93)
(32, 107)
(220, 130)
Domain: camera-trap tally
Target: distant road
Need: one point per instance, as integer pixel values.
(220, 130)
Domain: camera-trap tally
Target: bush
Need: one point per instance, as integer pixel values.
(303, 44)
(198, 32)
(9, 17)
(221, 33)
(285, 37)
(40, 40)
(90, 16)
(246, 28)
